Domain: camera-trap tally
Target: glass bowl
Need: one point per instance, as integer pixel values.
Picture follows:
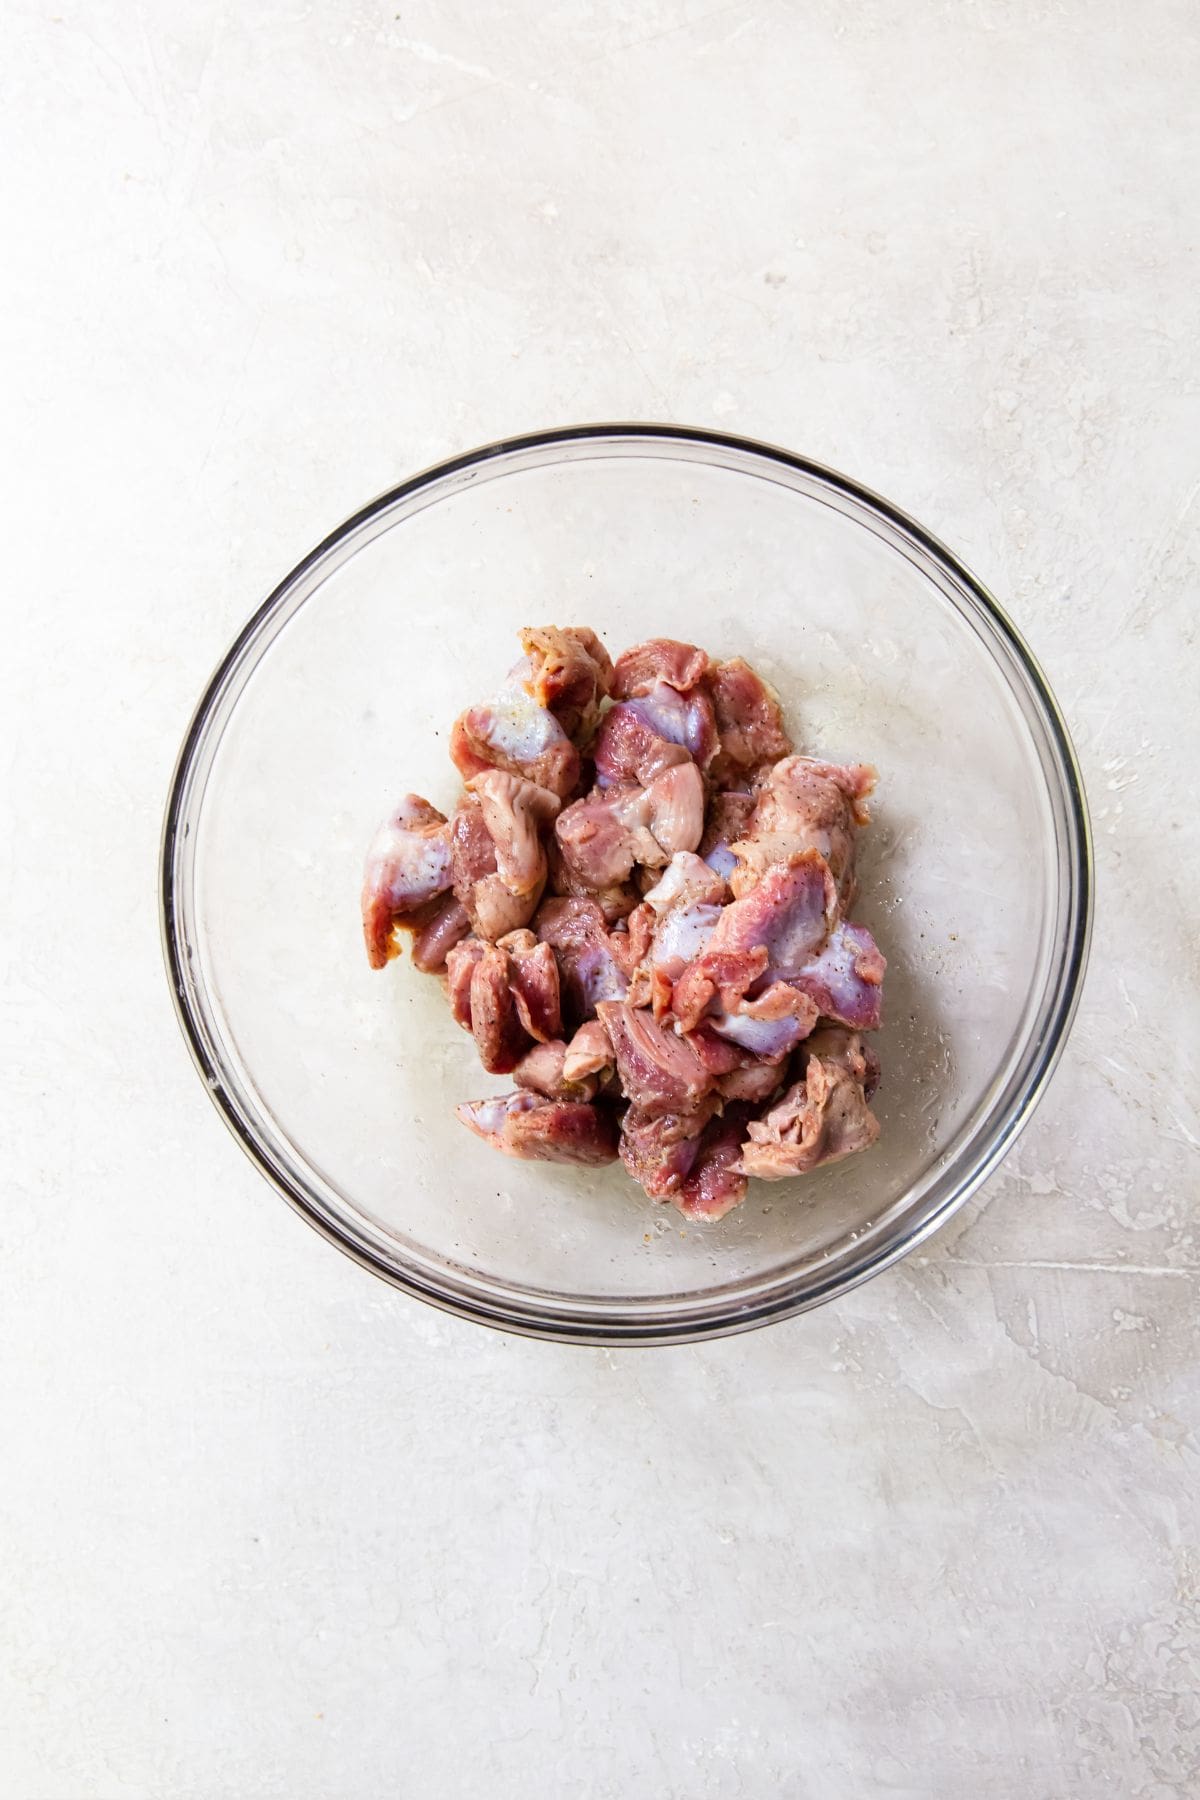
(337, 697)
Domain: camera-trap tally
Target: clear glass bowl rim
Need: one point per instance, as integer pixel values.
(505, 1308)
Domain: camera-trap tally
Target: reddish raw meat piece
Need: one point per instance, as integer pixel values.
(500, 1037)
(615, 902)
(569, 673)
(659, 1149)
(445, 927)
(641, 737)
(737, 1073)
(499, 862)
(460, 967)
(408, 865)
(789, 913)
(533, 978)
(749, 722)
(806, 804)
(627, 748)
(632, 944)
(716, 1183)
(821, 1119)
(659, 1069)
(528, 1126)
(604, 837)
(641, 668)
(729, 816)
(717, 976)
(588, 970)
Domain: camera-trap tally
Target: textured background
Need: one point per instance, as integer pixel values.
(270, 1529)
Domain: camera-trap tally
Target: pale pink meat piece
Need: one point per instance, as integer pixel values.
(638, 738)
(687, 880)
(541, 1071)
(604, 837)
(845, 981)
(574, 1071)
(588, 970)
(517, 735)
(498, 858)
(407, 866)
(681, 912)
(589, 1053)
(639, 669)
(823, 1118)
(677, 809)
(789, 913)
(748, 718)
(756, 1083)
(658, 1068)
(535, 1129)
(805, 804)
(515, 812)
(838, 1044)
(569, 673)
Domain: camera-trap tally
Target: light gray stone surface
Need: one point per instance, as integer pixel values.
(270, 1529)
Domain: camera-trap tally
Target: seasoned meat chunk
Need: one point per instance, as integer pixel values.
(497, 854)
(823, 1118)
(500, 1037)
(641, 737)
(408, 865)
(605, 836)
(569, 672)
(749, 720)
(729, 816)
(788, 913)
(660, 1148)
(659, 1069)
(528, 1126)
(516, 734)
(640, 669)
(805, 804)
(716, 1181)
(588, 970)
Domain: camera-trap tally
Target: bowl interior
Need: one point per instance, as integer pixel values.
(340, 698)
